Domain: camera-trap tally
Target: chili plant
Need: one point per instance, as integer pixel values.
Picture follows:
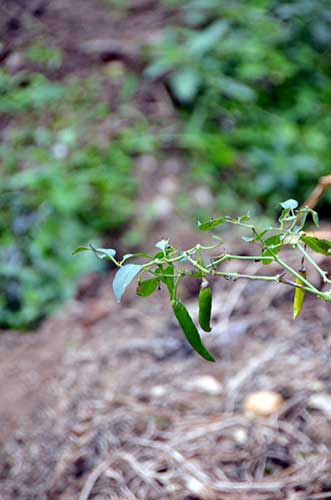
(170, 265)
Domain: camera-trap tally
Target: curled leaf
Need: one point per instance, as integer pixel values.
(123, 278)
(128, 256)
(80, 249)
(103, 253)
(290, 204)
(211, 224)
(162, 245)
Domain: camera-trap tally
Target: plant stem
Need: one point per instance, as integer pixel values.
(226, 257)
(255, 277)
(296, 274)
(196, 264)
(276, 278)
(232, 275)
(322, 295)
(286, 266)
(324, 274)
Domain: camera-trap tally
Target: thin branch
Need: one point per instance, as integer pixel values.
(253, 258)
(278, 278)
(309, 286)
(256, 277)
(92, 479)
(324, 274)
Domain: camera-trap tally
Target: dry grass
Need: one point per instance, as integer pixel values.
(125, 414)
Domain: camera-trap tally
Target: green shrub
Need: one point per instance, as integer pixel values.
(252, 84)
(60, 186)
(170, 265)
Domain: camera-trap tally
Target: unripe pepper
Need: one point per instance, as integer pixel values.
(299, 295)
(205, 303)
(190, 330)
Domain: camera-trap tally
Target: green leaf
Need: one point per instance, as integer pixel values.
(244, 218)
(123, 278)
(162, 245)
(290, 204)
(206, 39)
(211, 224)
(317, 245)
(147, 287)
(185, 84)
(301, 220)
(158, 255)
(128, 256)
(235, 89)
(315, 218)
(303, 215)
(80, 249)
(274, 245)
(158, 68)
(167, 277)
(283, 214)
(103, 253)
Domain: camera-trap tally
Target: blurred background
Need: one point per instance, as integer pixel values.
(122, 122)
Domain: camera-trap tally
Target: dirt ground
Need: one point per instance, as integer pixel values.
(108, 402)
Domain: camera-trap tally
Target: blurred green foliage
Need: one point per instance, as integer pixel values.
(42, 54)
(60, 187)
(252, 82)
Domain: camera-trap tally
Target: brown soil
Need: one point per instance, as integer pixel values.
(109, 402)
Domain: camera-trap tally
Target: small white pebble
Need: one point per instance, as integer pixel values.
(263, 403)
(195, 486)
(204, 383)
(158, 391)
(322, 402)
(240, 436)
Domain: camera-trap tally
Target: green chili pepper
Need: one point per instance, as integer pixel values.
(205, 302)
(299, 296)
(191, 333)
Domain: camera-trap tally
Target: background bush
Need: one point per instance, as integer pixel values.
(60, 188)
(252, 84)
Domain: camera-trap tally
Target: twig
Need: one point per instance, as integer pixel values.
(318, 192)
(256, 363)
(92, 479)
(324, 274)
(316, 496)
